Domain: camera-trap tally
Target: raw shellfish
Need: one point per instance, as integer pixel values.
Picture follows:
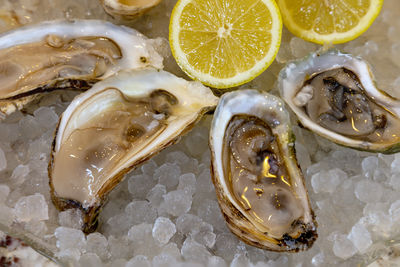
(334, 95)
(259, 186)
(116, 125)
(128, 9)
(66, 54)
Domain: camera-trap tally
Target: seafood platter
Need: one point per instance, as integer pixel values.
(125, 139)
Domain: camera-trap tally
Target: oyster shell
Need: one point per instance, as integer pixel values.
(116, 125)
(128, 9)
(66, 54)
(259, 186)
(334, 95)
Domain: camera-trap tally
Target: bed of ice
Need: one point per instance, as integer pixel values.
(165, 213)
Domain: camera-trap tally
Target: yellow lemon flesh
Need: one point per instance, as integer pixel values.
(329, 21)
(225, 43)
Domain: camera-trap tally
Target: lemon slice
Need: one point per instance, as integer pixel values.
(225, 43)
(329, 21)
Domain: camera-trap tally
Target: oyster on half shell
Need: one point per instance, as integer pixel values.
(334, 95)
(66, 54)
(259, 186)
(114, 126)
(128, 9)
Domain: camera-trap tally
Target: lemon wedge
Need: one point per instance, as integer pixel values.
(329, 21)
(225, 43)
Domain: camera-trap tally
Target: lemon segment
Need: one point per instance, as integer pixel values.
(329, 21)
(225, 43)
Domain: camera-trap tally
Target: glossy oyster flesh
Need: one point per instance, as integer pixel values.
(128, 9)
(114, 126)
(259, 186)
(334, 95)
(66, 54)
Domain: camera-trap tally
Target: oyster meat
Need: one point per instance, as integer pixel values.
(334, 95)
(114, 126)
(128, 9)
(259, 186)
(66, 54)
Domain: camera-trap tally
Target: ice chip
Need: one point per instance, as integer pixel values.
(4, 191)
(3, 160)
(138, 233)
(327, 181)
(168, 175)
(120, 247)
(395, 53)
(187, 183)
(19, 174)
(368, 191)
(172, 250)
(139, 185)
(143, 242)
(68, 238)
(97, 243)
(37, 228)
(177, 202)
(240, 260)
(369, 165)
(46, 117)
(69, 253)
(163, 230)
(118, 263)
(177, 157)
(343, 247)
(216, 261)
(284, 54)
(204, 183)
(360, 237)
(191, 250)
(155, 195)
(395, 166)
(197, 143)
(71, 218)
(304, 160)
(166, 260)
(318, 260)
(32, 207)
(187, 222)
(90, 260)
(301, 48)
(7, 215)
(225, 244)
(394, 211)
(118, 224)
(161, 45)
(394, 181)
(140, 212)
(7, 132)
(206, 238)
(29, 127)
(138, 260)
(148, 168)
(210, 212)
